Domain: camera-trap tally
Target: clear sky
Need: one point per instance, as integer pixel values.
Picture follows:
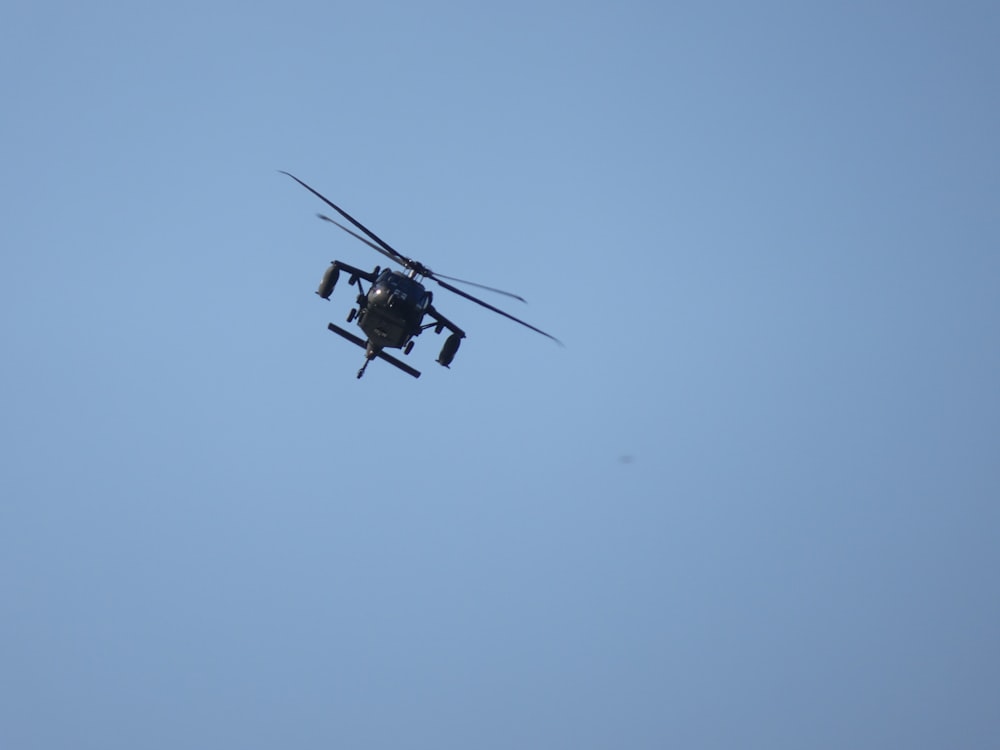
(752, 503)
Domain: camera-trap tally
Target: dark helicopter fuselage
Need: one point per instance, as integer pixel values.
(393, 310)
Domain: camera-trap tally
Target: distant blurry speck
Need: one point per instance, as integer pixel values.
(626, 459)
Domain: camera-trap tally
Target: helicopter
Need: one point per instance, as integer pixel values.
(391, 312)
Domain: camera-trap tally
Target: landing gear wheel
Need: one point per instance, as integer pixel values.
(409, 348)
(351, 314)
(365, 365)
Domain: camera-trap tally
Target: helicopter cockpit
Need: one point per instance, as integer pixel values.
(392, 288)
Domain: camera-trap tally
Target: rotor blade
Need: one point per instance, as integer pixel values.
(357, 236)
(488, 306)
(399, 257)
(436, 275)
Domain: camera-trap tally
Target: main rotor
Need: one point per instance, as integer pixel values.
(414, 267)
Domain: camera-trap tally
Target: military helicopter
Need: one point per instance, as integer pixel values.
(391, 313)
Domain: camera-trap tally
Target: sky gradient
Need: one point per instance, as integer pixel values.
(752, 503)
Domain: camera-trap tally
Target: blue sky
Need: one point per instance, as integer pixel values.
(752, 502)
